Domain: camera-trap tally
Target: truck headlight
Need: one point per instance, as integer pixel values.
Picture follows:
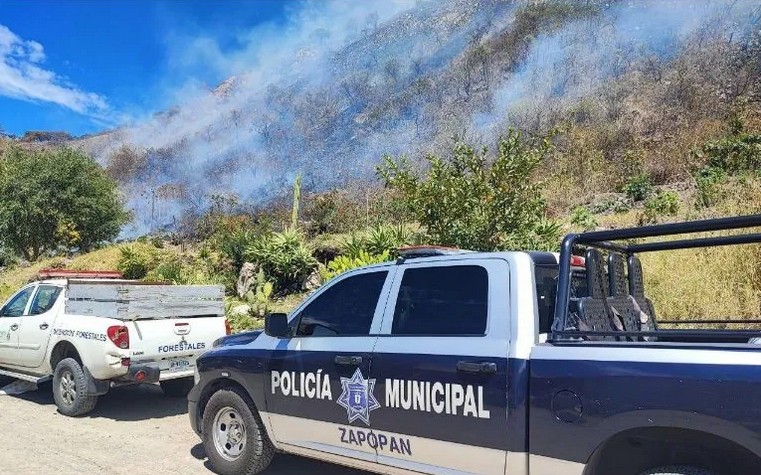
(196, 375)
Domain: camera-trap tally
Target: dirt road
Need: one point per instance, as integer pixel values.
(133, 430)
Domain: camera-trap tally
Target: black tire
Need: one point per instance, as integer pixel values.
(179, 387)
(256, 452)
(74, 401)
(678, 470)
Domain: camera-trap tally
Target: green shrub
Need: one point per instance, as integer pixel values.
(259, 302)
(664, 203)
(384, 238)
(352, 209)
(472, 201)
(708, 181)
(56, 198)
(616, 204)
(735, 154)
(260, 296)
(284, 257)
(544, 236)
(170, 270)
(380, 239)
(240, 321)
(132, 264)
(638, 187)
(341, 264)
(580, 216)
(187, 271)
(232, 235)
(235, 244)
(322, 212)
(7, 258)
(354, 246)
(158, 242)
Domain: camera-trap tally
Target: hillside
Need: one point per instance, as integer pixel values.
(636, 87)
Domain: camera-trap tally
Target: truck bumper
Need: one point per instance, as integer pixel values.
(141, 373)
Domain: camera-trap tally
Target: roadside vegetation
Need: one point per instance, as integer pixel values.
(271, 258)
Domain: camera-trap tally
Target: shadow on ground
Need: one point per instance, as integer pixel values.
(284, 464)
(128, 403)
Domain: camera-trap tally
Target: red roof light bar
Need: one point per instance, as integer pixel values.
(78, 274)
(428, 251)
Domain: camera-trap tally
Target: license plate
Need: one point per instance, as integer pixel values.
(175, 365)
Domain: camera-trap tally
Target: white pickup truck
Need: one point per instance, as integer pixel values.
(91, 334)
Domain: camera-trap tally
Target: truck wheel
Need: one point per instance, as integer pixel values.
(70, 389)
(233, 435)
(678, 470)
(179, 387)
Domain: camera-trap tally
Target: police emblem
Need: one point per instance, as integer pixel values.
(357, 397)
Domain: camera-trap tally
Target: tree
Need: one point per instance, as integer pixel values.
(56, 198)
(470, 202)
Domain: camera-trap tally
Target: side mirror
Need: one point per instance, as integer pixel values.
(276, 324)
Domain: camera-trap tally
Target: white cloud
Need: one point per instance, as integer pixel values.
(23, 77)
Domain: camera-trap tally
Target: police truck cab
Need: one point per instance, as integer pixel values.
(454, 362)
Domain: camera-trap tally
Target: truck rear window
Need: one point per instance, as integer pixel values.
(546, 277)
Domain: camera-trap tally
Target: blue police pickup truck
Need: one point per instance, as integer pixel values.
(519, 363)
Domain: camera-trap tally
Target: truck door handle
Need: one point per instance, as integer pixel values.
(14, 327)
(348, 360)
(481, 368)
(44, 326)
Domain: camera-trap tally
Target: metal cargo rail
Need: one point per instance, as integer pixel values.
(629, 242)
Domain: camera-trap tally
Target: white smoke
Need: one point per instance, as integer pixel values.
(343, 83)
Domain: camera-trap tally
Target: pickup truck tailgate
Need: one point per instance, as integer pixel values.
(174, 343)
(168, 324)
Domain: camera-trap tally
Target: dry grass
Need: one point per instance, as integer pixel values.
(718, 282)
(289, 302)
(102, 259)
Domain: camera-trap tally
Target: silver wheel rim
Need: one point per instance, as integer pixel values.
(229, 433)
(68, 388)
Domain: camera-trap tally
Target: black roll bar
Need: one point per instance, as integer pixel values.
(606, 240)
(706, 225)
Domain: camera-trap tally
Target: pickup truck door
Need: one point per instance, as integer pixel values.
(317, 390)
(440, 367)
(10, 321)
(37, 325)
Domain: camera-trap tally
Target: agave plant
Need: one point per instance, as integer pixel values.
(285, 257)
(341, 264)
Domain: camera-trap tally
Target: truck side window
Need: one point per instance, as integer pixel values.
(16, 307)
(346, 308)
(442, 301)
(44, 299)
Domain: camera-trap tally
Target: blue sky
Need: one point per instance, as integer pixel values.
(84, 66)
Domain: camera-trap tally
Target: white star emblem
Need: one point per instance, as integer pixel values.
(357, 397)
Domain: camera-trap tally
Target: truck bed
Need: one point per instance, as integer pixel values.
(131, 300)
